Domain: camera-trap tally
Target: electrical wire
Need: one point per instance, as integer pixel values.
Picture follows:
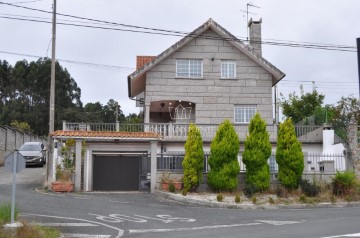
(157, 31)
(104, 66)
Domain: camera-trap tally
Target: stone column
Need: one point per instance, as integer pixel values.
(354, 147)
(153, 167)
(78, 148)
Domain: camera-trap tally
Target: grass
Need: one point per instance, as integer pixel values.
(5, 213)
(30, 231)
(25, 231)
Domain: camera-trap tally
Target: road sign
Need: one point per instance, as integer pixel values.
(9, 162)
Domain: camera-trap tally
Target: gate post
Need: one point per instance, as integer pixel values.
(153, 167)
(78, 148)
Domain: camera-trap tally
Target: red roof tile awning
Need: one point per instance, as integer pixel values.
(106, 135)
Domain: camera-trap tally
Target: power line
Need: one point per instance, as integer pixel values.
(312, 46)
(104, 66)
(157, 31)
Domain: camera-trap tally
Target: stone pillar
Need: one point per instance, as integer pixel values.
(354, 147)
(147, 113)
(78, 148)
(153, 167)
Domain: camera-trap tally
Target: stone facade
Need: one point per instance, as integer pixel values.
(354, 147)
(214, 97)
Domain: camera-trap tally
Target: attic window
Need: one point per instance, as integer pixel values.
(189, 68)
(228, 69)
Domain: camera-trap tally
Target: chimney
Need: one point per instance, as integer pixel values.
(328, 136)
(255, 35)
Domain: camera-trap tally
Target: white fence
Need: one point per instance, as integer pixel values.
(315, 163)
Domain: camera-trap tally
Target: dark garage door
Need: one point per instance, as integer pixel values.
(119, 173)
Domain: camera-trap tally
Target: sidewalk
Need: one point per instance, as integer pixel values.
(209, 200)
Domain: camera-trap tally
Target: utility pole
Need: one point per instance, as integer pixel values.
(358, 54)
(52, 95)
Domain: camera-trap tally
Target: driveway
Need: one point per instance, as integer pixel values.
(115, 215)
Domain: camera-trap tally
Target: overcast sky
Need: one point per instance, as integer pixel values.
(322, 21)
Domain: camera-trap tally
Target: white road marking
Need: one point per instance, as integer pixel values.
(167, 218)
(82, 197)
(193, 228)
(348, 235)
(66, 224)
(75, 235)
(120, 231)
(279, 223)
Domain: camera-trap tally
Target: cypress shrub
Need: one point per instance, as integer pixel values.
(193, 162)
(256, 154)
(289, 156)
(224, 165)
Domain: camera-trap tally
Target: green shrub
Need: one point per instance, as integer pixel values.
(184, 192)
(271, 200)
(256, 154)
(303, 198)
(5, 213)
(254, 200)
(249, 190)
(172, 188)
(219, 197)
(193, 162)
(289, 156)
(310, 189)
(237, 198)
(224, 165)
(343, 183)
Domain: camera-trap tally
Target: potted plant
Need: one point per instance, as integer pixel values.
(166, 180)
(64, 181)
(64, 172)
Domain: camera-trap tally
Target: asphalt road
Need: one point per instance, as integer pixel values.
(103, 215)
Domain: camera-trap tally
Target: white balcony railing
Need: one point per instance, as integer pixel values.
(179, 132)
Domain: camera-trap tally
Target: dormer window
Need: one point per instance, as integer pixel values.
(228, 69)
(189, 68)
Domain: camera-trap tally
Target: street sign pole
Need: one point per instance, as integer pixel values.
(13, 187)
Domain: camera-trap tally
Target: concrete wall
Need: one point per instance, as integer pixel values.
(214, 97)
(11, 139)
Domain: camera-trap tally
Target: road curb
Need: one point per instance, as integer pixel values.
(185, 199)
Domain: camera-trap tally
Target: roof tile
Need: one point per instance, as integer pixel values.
(106, 134)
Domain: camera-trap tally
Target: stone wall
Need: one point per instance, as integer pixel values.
(213, 96)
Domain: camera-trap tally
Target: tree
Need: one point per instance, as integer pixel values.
(224, 165)
(346, 112)
(21, 126)
(193, 162)
(256, 154)
(25, 92)
(301, 107)
(289, 156)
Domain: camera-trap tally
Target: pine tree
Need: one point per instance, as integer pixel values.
(289, 156)
(256, 154)
(193, 162)
(224, 166)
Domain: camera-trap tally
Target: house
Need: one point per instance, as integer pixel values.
(206, 77)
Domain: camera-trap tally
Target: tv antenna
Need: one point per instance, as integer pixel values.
(247, 17)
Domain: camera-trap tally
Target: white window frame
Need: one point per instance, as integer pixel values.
(188, 68)
(226, 71)
(244, 113)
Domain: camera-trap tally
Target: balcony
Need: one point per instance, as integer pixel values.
(179, 132)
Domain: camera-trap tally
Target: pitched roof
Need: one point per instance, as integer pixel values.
(136, 80)
(105, 135)
(142, 60)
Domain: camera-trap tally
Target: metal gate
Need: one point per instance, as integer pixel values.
(116, 173)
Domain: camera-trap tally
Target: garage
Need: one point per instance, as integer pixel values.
(116, 173)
